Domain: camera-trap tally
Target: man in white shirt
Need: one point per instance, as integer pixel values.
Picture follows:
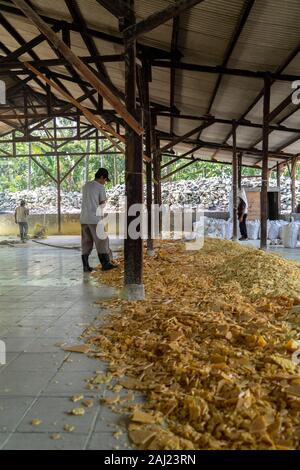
(21, 215)
(93, 197)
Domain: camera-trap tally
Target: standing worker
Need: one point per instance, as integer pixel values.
(93, 198)
(21, 215)
(243, 213)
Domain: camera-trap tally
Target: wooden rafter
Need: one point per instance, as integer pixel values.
(156, 19)
(179, 139)
(94, 120)
(80, 66)
(118, 8)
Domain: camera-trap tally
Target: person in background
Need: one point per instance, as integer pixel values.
(93, 197)
(21, 218)
(242, 213)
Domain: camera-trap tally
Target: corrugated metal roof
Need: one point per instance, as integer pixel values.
(271, 32)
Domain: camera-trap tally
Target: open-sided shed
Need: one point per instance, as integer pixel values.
(210, 80)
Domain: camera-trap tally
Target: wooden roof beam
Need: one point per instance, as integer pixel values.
(151, 51)
(179, 139)
(291, 56)
(94, 120)
(174, 45)
(26, 47)
(77, 16)
(80, 66)
(237, 33)
(118, 8)
(226, 147)
(193, 160)
(225, 70)
(156, 19)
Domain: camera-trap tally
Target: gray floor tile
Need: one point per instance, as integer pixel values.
(109, 421)
(3, 437)
(23, 383)
(38, 361)
(37, 321)
(107, 441)
(53, 412)
(24, 332)
(69, 383)
(44, 345)
(80, 362)
(17, 344)
(30, 441)
(12, 411)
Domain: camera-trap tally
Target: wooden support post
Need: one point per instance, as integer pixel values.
(156, 175)
(159, 161)
(87, 161)
(14, 145)
(278, 177)
(133, 248)
(29, 168)
(293, 185)
(58, 194)
(240, 168)
(26, 113)
(115, 171)
(58, 178)
(265, 169)
(148, 142)
(234, 182)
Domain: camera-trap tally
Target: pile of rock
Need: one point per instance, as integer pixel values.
(211, 193)
(41, 200)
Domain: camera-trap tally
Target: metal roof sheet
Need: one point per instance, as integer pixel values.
(269, 35)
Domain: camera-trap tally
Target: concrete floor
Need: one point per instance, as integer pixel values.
(287, 253)
(45, 300)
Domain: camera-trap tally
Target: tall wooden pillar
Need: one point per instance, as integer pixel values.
(58, 177)
(148, 151)
(157, 179)
(240, 166)
(133, 248)
(58, 194)
(234, 182)
(278, 177)
(29, 167)
(265, 169)
(293, 185)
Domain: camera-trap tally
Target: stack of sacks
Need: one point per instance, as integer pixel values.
(253, 228)
(290, 235)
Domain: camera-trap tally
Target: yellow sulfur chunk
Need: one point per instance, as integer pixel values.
(261, 342)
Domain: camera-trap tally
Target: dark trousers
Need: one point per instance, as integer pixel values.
(23, 226)
(243, 227)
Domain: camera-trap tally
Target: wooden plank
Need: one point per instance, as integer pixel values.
(293, 185)
(95, 120)
(133, 248)
(265, 169)
(156, 19)
(234, 182)
(118, 8)
(179, 139)
(80, 66)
